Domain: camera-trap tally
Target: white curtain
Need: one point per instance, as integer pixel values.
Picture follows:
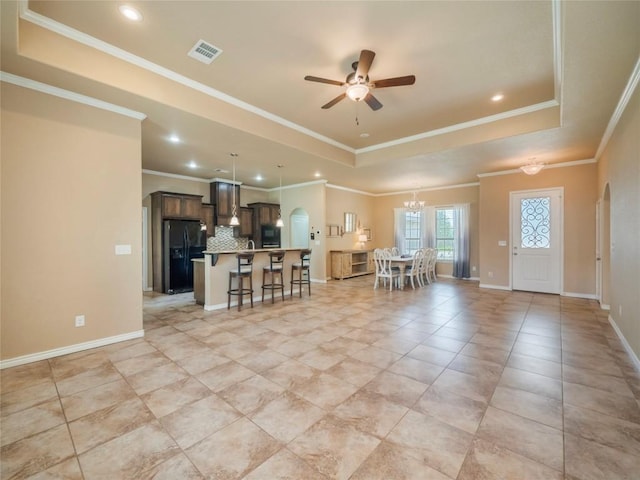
(429, 227)
(461, 241)
(399, 228)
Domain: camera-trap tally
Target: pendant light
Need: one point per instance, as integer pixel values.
(280, 222)
(234, 222)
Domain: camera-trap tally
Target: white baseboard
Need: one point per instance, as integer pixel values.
(78, 347)
(147, 289)
(588, 296)
(627, 347)
(604, 306)
(471, 279)
(495, 287)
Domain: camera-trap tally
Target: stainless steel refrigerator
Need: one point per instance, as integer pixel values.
(182, 240)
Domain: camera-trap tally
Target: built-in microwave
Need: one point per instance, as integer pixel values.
(270, 235)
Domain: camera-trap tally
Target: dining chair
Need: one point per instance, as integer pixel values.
(432, 264)
(384, 271)
(412, 271)
(431, 256)
(395, 251)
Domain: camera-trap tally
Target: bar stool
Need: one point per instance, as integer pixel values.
(302, 268)
(243, 270)
(275, 268)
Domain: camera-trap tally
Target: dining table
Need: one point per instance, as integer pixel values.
(401, 261)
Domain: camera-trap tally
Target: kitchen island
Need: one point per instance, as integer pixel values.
(216, 268)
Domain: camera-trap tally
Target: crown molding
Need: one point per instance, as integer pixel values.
(558, 59)
(175, 175)
(68, 95)
(432, 189)
(352, 190)
(461, 126)
(575, 163)
(620, 108)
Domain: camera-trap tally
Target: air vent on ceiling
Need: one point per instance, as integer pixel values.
(204, 52)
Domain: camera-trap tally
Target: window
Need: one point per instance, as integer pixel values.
(445, 233)
(412, 221)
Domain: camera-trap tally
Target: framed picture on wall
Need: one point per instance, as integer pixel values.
(367, 231)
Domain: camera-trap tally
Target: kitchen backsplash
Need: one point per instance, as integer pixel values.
(224, 240)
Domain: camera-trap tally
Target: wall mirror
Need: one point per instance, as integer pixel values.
(349, 222)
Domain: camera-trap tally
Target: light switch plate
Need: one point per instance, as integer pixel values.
(123, 249)
(502, 243)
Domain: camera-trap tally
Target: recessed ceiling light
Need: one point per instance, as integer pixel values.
(364, 135)
(130, 12)
(317, 174)
(192, 164)
(174, 139)
(258, 178)
(497, 97)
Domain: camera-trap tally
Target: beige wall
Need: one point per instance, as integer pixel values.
(579, 201)
(71, 184)
(339, 202)
(619, 168)
(383, 234)
(312, 199)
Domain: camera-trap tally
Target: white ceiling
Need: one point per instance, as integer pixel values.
(561, 66)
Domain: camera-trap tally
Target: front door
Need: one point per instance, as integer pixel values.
(536, 240)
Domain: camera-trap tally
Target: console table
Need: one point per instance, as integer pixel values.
(351, 263)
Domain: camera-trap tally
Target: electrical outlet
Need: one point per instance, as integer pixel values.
(490, 274)
(79, 320)
(473, 269)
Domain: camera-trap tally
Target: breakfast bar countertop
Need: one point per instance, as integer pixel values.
(248, 250)
(216, 269)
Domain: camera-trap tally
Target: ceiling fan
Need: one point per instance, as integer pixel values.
(358, 84)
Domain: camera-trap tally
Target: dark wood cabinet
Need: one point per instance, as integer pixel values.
(222, 196)
(263, 214)
(180, 206)
(245, 215)
(208, 217)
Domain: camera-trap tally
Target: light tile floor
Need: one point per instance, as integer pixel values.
(444, 382)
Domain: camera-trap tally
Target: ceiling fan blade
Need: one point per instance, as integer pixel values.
(334, 101)
(364, 64)
(394, 82)
(323, 80)
(372, 102)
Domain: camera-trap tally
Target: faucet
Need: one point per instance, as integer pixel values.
(251, 244)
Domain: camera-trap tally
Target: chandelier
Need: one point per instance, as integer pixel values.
(414, 204)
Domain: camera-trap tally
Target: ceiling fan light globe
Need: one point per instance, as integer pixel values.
(357, 92)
